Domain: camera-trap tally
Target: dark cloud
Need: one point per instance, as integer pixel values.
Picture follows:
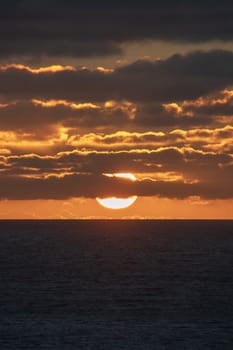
(59, 48)
(154, 115)
(215, 105)
(177, 173)
(29, 117)
(90, 186)
(176, 78)
(85, 29)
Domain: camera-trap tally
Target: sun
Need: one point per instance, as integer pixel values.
(116, 202)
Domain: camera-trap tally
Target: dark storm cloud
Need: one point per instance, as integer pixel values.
(74, 28)
(176, 78)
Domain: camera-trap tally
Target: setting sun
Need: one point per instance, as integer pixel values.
(116, 202)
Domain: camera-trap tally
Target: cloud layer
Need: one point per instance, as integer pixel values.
(168, 121)
(176, 78)
(71, 28)
(174, 171)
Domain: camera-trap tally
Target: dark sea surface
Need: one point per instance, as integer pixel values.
(116, 285)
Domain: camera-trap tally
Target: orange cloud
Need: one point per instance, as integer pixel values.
(65, 138)
(5, 151)
(3, 105)
(173, 107)
(49, 69)
(104, 70)
(72, 105)
(222, 97)
(120, 139)
(129, 108)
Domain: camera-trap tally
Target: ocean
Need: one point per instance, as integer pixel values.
(116, 284)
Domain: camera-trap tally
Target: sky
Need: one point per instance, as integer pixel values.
(104, 88)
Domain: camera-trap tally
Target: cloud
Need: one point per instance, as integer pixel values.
(217, 106)
(59, 139)
(89, 186)
(178, 78)
(170, 172)
(50, 115)
(69, 28)
(50, 69)
(41, 118)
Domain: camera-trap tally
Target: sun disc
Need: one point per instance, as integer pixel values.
(116, 202)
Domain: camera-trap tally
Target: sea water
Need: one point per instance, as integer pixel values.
(116, 285)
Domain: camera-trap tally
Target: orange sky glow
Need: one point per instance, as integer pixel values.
(155, 102)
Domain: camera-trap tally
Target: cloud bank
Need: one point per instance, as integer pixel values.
(71, 28)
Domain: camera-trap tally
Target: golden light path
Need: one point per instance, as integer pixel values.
(116, 202)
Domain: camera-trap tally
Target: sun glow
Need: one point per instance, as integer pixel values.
(116, 202)
(123, 175)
